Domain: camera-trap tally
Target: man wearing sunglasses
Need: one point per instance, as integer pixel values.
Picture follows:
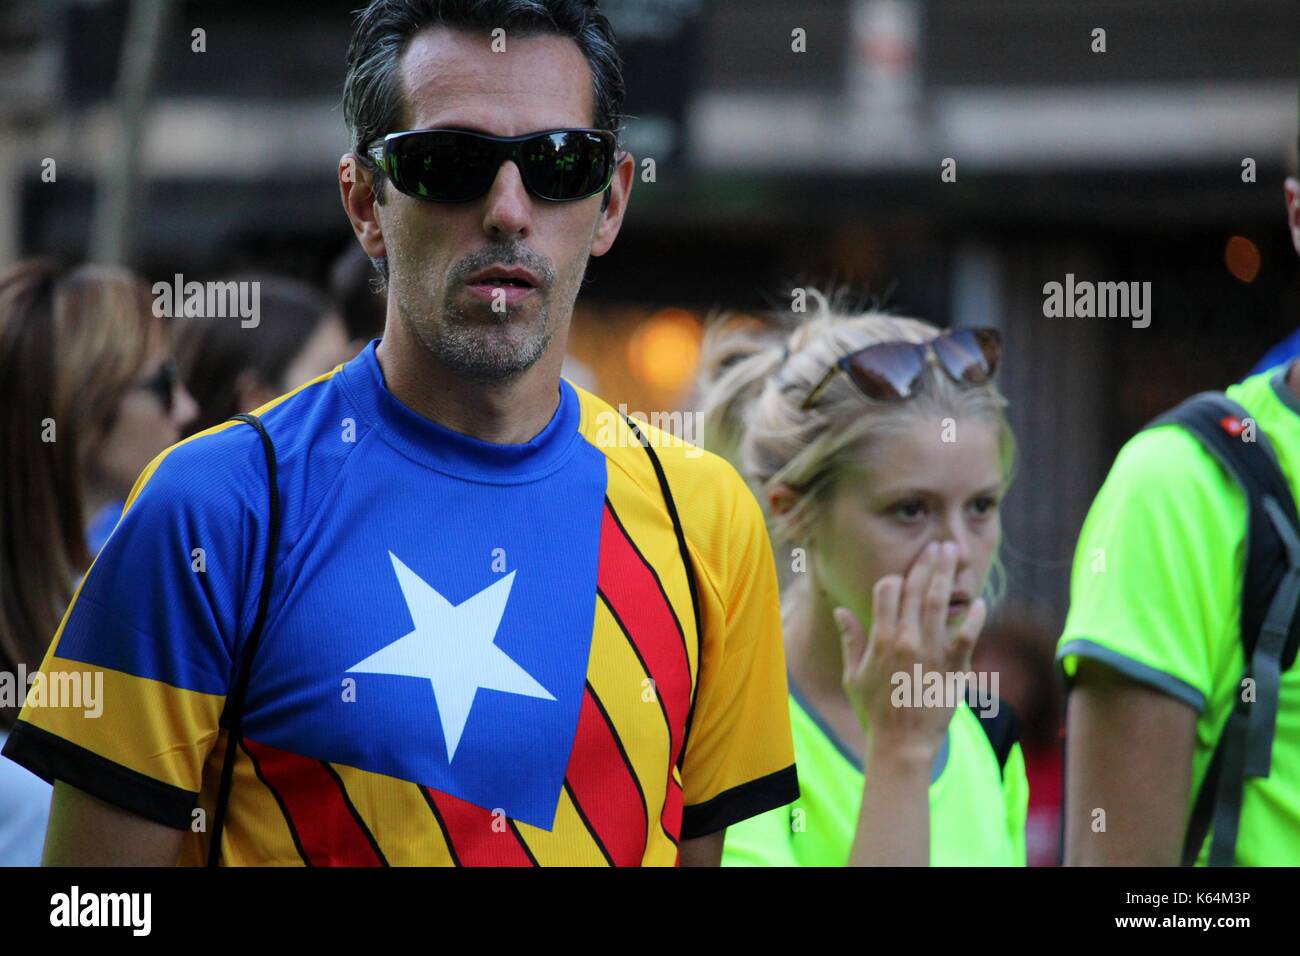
(493, 635)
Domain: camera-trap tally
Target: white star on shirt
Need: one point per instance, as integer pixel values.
(452, 647)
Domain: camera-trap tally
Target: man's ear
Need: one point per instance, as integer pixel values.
(356, 186)
(613, 208)
(1293, 210)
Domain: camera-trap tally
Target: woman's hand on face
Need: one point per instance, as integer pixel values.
(909, 626)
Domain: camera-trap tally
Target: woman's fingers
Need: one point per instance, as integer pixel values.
(914, 591)
(885, 599)
(935, 609)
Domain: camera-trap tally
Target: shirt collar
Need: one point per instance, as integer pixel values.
(451, 451)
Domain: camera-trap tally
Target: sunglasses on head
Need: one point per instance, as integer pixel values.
(894, 371)
(162, 384)
(452, 165)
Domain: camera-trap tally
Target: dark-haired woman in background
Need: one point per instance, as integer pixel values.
(88, 397)
(230, 368)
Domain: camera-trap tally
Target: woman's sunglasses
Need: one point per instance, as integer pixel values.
(451, 165)
(162, 384)
(893, 371)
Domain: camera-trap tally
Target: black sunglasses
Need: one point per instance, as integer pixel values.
(452, 165)
(162, 384)
(893, 371)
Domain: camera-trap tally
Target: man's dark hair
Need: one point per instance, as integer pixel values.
(372, 89)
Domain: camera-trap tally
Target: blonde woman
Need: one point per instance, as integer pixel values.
(879, 448)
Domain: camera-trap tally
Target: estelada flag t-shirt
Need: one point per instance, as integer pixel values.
(474, 653)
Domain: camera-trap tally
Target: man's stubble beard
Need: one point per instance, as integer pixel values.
(481, 345)
(486, 346)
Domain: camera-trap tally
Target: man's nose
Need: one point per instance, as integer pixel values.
(509, 206)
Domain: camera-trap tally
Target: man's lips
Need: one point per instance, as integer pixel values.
(505, 276)
(508, 285)
(500, 292)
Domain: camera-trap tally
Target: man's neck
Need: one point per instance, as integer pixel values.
(506, 413)
(1293, 377)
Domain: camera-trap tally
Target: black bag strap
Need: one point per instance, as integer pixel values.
(1002, 730)
(1270, 625)
(233, 712)
(686, 556)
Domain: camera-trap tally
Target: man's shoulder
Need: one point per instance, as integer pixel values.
(1166, 497)
(704, 485)
(1157, 566)
(720, 518)
(225, 467)
(1168, 462)
(1270, 402)
(219, 457)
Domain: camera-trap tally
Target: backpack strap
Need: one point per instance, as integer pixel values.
(233, 713)
(1002, 729)
(1270, 626)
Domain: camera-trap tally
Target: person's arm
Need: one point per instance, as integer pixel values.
(1129, 752)
(149, 637)
(703, 851)
(86, 831)
(894, 819)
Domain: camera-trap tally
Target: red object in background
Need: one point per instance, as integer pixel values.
(1043, 824)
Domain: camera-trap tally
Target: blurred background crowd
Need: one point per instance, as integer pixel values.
(202, 139)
